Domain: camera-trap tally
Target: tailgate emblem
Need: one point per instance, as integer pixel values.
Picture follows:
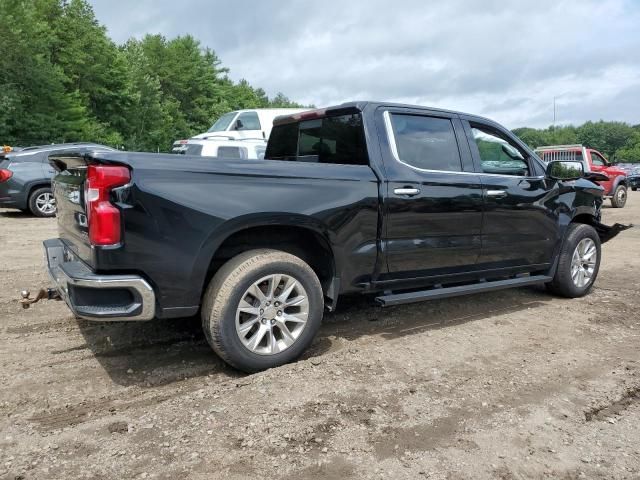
(74, 197)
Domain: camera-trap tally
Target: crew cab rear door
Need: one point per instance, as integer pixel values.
(518, 228)
(433, 203)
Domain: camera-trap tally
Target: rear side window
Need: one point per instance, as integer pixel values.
(337, 140)
(247, 121)
(428, 143)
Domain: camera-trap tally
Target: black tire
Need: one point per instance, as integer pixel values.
(634, 188)
(563, 283)
(619, 198)
(226, 290)
(35, 202)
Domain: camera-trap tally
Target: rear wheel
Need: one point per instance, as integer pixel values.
(578, 263)
(42, 203)
(619, 197)
(262, 309)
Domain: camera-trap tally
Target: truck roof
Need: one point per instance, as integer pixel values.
(361, 105)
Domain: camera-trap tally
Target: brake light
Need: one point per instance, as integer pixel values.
(103, 216)
(5, 175)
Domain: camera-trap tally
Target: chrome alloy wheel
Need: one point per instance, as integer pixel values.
(46, 203)
(583, 262)
(272, 314)
(621, 195)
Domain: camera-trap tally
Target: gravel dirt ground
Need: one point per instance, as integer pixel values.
(510, 384)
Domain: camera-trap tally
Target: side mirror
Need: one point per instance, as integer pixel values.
(565, 170)
(238, 125)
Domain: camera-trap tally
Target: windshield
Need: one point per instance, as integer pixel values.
(222, 123)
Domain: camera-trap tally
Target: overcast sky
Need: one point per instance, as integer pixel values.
(493, 58)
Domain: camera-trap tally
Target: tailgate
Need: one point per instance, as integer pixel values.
(68, 189)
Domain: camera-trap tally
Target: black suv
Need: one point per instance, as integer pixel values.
(25, 176)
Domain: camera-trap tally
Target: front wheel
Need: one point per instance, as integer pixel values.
(262, 309)
(619, 198)
(578, 263)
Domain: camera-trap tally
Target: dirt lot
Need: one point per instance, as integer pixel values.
(512, 384)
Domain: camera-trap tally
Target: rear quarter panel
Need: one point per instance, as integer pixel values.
(175, 217)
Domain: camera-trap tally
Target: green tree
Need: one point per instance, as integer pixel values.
(630, 152)
(606, 137)
(63, 79)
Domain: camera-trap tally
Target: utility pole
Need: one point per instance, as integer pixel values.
(554, 112)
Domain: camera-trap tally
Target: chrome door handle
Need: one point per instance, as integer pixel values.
(409, 192)
(496, 193)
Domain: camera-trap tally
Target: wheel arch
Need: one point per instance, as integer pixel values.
(299, 235)
(620, 180)
(33, 186)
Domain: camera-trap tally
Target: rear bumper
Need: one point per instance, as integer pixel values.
(97, 297)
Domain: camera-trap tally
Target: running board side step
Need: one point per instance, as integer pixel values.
(444, 292)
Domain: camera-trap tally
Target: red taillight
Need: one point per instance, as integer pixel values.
(103, 216)
(5, 174)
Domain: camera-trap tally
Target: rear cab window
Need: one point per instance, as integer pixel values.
(332, 139)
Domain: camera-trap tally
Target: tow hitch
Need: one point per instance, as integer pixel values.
(43, 293)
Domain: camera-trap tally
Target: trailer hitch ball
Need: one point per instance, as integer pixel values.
(48, 294)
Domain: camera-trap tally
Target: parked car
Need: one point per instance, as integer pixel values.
(634, 179)
(247, 149)
(25, 177)
(616, 184)
(241, 124)
(406, 202)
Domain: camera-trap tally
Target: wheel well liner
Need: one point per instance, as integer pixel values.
(605, 232)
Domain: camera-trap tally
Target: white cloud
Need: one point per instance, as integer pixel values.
(499, 59)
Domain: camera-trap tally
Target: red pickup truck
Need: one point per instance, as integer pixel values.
(616, 185)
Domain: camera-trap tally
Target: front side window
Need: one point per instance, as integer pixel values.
(337, 140)
(597, 159)
(247, 121)
(427, 143)
(497, 155)
(223, 122)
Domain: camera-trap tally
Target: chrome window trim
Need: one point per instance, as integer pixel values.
(394, 151)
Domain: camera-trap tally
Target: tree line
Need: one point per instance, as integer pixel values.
(62, 79)
(619, 141)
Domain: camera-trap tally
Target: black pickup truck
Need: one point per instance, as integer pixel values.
(407, 202)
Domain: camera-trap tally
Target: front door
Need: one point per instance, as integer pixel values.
(599, 164)
(433, 199)
(519, 228)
